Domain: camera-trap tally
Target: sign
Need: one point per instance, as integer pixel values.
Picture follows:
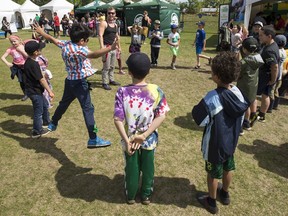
(223, 14)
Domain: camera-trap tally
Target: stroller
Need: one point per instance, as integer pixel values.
(224, 38)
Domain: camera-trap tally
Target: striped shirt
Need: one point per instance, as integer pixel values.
(78, 66)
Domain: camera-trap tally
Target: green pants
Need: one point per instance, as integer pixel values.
(141, 161)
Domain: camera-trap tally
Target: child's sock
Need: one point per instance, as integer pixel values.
(211, 201)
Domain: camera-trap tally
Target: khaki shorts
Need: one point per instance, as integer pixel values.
(145, 31)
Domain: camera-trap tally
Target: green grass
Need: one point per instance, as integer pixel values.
(57, 175)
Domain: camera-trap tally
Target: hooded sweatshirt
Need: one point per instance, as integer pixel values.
(221, 113)
(248, 79)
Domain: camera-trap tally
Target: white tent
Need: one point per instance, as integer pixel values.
(8, 12)
(27, 11)
(61, 7)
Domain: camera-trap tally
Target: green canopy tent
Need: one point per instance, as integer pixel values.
(161, 10)
(90, 8)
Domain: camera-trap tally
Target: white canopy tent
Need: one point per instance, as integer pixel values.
(27, 11)
(61, 7)
(8, 12)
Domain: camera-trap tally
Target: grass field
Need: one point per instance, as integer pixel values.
(58, 175)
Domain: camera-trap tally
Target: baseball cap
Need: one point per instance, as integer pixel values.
(280, 40)
(258, 23)
(250, 44)
(33, 45)
(174, 26)
(138, 63)
(200, 23)
(157, 22)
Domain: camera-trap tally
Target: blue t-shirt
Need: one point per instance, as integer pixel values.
(200, 37)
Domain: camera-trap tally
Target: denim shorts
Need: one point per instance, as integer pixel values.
(216, 170)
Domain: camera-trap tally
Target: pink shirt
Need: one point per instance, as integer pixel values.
(18, 58)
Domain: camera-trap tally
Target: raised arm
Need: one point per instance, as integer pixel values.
(41, 31)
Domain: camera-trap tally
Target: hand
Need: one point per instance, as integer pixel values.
(38, 29)
(115, 44)
(10, 65)
(132, 148)
(51, 94)
(140, 138)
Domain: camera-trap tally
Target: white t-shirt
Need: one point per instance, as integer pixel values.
(236, 39)
(174, 38)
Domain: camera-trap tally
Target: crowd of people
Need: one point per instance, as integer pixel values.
(254, 60)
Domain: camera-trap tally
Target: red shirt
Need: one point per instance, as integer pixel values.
(56, 21)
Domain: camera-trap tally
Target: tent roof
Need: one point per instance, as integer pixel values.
(117, 4)
(90, 7)
(144, 3)
(29, 6)
(10, 6)
(55, 5)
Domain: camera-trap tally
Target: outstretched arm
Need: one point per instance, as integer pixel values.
(41, 31)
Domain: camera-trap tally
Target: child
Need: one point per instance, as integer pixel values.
(236, 38)
(200, 42)
(19, 56)
(35, 84)
(135, 32)
(248, 78)
(142, 107)
(221, 113)
(76, 55)
(174, 42)
(156, 35)
(274, 100)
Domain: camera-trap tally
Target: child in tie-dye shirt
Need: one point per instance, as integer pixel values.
(142, 107)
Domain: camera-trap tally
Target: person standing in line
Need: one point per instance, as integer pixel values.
(200, 43)
(268, 72)
(174, 41)
(142, 107)
(76, 55)
(107, 35)
(221, 113)
(156, 35)
(56, 21)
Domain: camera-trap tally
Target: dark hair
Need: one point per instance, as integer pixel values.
(268, 31)
(226, 66)
(78, 32)
(138, 65)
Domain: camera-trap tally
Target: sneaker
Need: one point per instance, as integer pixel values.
(52, 127)
(241, 132)
(130, 202)
(254, 119)
(262, 119)
(98, 143)
(42, 133)
(114, 83)
(24, 98)
(146, 201)
(203, 200)
(246, 125)
(122, 72)
(223, 200)
(106, 87)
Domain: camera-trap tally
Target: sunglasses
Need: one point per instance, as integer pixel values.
(111, 13)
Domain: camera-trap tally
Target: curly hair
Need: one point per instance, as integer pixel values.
(226, 66)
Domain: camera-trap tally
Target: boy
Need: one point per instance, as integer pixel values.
(221, 112)
(156, 35)
(174, 41)
(76, 55)
(143, 107)
(35, 84)
(200, 42)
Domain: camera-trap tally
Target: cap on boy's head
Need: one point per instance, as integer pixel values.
(250, 44)
(280, 40)
(32, 46)
(258, 23)
(157, 22)
(174, 26)
(200, 23)
(138, 64)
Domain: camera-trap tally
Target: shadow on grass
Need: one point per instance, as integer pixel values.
(18, 110)
(283, 101)
(76, 183)
(187, 122)
(7, 96)
(10, 125)
(270, 157)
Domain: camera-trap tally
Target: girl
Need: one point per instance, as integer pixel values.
(19, 57)
(135, 44)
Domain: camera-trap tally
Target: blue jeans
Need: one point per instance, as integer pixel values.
(77, 89)
(41, 114)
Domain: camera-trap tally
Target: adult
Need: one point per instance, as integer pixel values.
(268, 72)
(65, 24)
(56, 21)
(6, 27)
(146, 23)
(107, 35)
(36, 19)
(280, 22)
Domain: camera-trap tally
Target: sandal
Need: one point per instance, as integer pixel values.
(197, 67)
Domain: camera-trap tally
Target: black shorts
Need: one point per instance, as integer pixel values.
(57, 28)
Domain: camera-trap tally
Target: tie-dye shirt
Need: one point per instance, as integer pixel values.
(138, 105)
